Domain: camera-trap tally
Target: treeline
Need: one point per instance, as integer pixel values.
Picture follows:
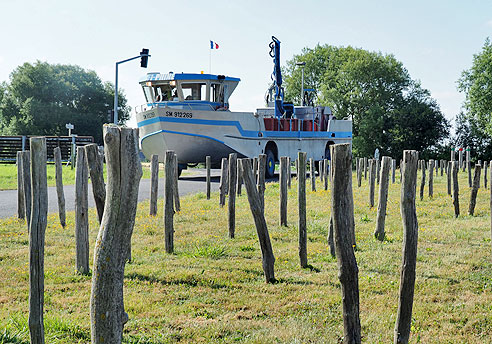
(40, 98)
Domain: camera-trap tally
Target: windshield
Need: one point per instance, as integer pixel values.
(194, 91)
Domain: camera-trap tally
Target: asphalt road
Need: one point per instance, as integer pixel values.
(187, 184)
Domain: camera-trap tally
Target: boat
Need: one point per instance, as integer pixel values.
(189, 113)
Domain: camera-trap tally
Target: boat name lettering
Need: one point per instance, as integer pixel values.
(180, 114)
(148, 115)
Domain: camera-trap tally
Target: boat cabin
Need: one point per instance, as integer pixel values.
(189, 89)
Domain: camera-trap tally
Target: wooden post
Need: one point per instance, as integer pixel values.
(326, 166)
(378, 170)
(297, 170)
(223, 182)
(431, 178)
(456, 198)
(365, 168)
(301, 198)
(169, 171)
(474, 191)
(177, 204)
(468, 165)
(422, 181)
(261, 179)
(453, 154)
(59, 186)
(485, 166)
(460, 158)
(97, 178)
(268, 259)
(448, 171)
(154, 183)
(232, 193)
(312, 174)
(239, 179)
(113, 242)
(289, 172)
(383, 198)
(255, 168)
(81, 213)
(208, 163)
(21, 205)
(26, 187)
(442, 165)
(410, 240)
(39, 214)
(436, 166)
(393, 170)
(343, 217)
(372, 177)
(283, 191)
(359, 171)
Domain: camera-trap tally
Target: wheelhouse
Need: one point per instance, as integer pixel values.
(189, 89)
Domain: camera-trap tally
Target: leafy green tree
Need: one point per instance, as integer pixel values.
(470, 134)
(476, 83)
(41, 98)
(388, 109)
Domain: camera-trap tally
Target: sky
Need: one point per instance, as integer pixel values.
(434, 39)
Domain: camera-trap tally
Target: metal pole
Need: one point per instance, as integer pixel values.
(302, 87)
(116, 96)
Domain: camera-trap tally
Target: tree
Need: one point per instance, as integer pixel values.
(41, 98)
(376, 92)
(470, 134)
(476, 83)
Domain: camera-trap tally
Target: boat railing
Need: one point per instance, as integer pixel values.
(180, 106)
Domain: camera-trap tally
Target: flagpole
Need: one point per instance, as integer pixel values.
(210, 62)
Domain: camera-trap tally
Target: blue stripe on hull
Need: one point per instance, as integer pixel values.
(245, 133)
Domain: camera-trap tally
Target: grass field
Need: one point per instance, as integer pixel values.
(212, 289)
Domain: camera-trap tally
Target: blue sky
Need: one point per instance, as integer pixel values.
(435, 40)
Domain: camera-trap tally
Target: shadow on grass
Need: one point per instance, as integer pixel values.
(191, 281)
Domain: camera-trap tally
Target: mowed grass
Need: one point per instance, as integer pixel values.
(212, 289)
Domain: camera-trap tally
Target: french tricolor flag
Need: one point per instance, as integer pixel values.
(214, 45)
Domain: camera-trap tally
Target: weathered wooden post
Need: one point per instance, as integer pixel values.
(81, 213)
(97, 177)
(268, 259)
(453, 154)
(59, 186)
(154, 183)
(448, 171)
(113, 241)
(26, 187)
(289, 172)
(357, 169)
(485, 166)
(422, 181)
(37, 229)
(410, 240)
(393, 170)
(442, 165)
(468, 160)
(474, 190)
(372, 176)
(312, 174)
(239, 179)
(169, 171)
(456, 198)
(261, 179)
(378, 170)
(326, 166)
(208, 163)
(283, 191)
(383, 198)
(301, 198)
(177, 203)
(255, 168)
(223, 182)
(365, 168)
(460, 158)
(469, 167)
(343, 217)
(21, 204)
(359, 172)
(431, 178)
(436, 166)
(232, 193)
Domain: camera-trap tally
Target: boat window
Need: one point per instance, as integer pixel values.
(165, 92)
(195, 91)
(218, 93)
(148, 94)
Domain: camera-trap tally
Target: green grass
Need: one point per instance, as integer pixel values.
(212, 289)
